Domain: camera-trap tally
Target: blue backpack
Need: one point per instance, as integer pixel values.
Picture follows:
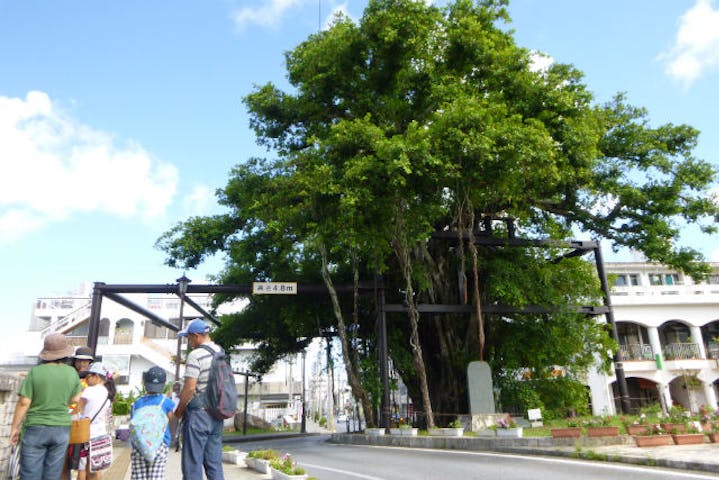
(221, 392)
(147, 429)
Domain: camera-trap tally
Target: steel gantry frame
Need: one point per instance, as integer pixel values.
(578, 248)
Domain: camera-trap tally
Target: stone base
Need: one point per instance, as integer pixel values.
(484, 421)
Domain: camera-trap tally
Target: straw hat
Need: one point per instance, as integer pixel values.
(55, 348)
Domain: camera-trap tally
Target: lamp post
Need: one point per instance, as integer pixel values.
(182, 283)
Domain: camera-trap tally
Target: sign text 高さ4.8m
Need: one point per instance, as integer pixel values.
(274, 288)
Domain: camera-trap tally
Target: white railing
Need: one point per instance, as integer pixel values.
(636, 351)
(70, 320)
(713, 350)
(681, 351)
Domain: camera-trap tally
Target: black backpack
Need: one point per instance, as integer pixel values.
(221, 391)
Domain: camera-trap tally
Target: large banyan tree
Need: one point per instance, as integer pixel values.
(421, 119)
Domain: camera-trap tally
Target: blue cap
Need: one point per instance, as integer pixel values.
(195, 326)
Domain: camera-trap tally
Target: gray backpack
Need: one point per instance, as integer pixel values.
(221, 392)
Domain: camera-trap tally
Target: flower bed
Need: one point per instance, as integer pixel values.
(652, 440)
(605, 431)
(688, 438)
(286, 468)
(567, 432)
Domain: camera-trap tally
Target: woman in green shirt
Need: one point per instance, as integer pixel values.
(44, 396)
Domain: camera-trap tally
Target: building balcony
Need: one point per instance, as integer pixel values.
(712, 350)
(681, 351)
(636, 351)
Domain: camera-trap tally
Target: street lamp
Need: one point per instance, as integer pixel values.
(182, 283)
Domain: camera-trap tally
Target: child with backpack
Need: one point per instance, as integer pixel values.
(149, 430)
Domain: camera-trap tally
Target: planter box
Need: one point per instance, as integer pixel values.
(446, 432)
(234, 457)
(566, 432)
(407, 432)
(638, 429)
(688, 438)
(510, 432)
(374, 432)
(607, 431)
(278, 475)
(652, 440)
(670, 427)
(258, 465)
(713, 437)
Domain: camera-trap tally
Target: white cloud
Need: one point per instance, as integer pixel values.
(540, 62)
(265, 14)
(338, 10)
(54, 167)
(199, 201)
(696, 46)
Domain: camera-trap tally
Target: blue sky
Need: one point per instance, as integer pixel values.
(119, 119)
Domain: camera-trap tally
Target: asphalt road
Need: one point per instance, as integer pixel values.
(345, 462)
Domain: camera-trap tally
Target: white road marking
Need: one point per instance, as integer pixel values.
(343, 472)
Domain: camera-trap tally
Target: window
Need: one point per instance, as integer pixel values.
(656, 279)
(713, 279)
(627, 279)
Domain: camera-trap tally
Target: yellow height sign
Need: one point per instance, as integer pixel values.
(274, 288)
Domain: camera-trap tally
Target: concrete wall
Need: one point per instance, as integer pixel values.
(9, 386)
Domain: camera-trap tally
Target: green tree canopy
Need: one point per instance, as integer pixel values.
(421, 119)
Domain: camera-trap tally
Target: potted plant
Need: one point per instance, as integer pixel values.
(507, 427)
(404, 429)
(654, 437)
(286, 468)
(639, 426)
(572, 430)
(601, 426)
(677, 420)
(692, 436)
(259, 460)
(454, 429)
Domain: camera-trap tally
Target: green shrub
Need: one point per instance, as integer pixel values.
(267, 454)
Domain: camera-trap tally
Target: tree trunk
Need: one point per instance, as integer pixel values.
(402, 252)
(352, 374)
(475, 290)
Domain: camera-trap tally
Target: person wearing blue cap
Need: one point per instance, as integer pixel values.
(201, 433)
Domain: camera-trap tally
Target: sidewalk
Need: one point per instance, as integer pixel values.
(120, 469)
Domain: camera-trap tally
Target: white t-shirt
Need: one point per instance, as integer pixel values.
(94, 397)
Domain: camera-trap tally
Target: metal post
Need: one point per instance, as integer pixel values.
(94, 328)
(618, 363)
(182, 283)
(303, 425)
(383, 363)
(244, 416)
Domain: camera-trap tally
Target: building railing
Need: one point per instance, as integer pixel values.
(681, 351)
(68, 321)
(636, 351)
(712, 349)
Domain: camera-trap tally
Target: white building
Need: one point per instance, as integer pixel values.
(668, 329)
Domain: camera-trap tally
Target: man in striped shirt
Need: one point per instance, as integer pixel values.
(201, 433)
